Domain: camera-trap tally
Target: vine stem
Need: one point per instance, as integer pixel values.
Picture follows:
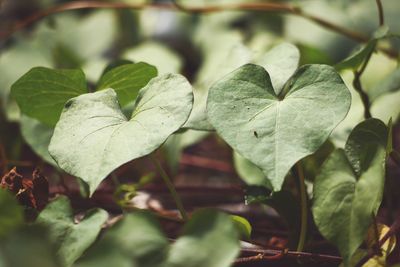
(303, 205)
(357, 74)
(257, 6)
(171, 187)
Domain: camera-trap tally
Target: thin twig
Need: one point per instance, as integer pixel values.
(315, 257)
(264, 7)
(394, 229)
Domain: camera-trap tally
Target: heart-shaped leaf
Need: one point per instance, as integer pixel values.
(127, 80)
(274, 132)
(93, 136)
(41, 93)
(71, 238)
(349, 188)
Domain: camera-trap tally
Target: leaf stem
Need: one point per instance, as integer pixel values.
(171, 187)
(304, 206)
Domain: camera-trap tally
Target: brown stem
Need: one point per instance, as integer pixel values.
(394, 228)
(380, 12)
(363, 95)
(269, 7)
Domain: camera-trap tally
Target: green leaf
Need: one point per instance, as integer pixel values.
(362, 143)
(349, 188)
(71, 238)
(41, 93)
(354, 60)
(11, 214)
(136, 240)
(93, 137)
(275, 132)
(37, 135)
(242, 225)
(209, 239)
(127, 80)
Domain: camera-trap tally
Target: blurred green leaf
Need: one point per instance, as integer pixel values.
(209, 239)
(165, 60)
(136, 240)
(29, 246)
(11, 214)
(71, 238)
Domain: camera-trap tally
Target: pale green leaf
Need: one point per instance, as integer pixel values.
(127, 80)
(71, 238)
(349, 188)
(275, 133)
(93, 136)
(41, 93)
